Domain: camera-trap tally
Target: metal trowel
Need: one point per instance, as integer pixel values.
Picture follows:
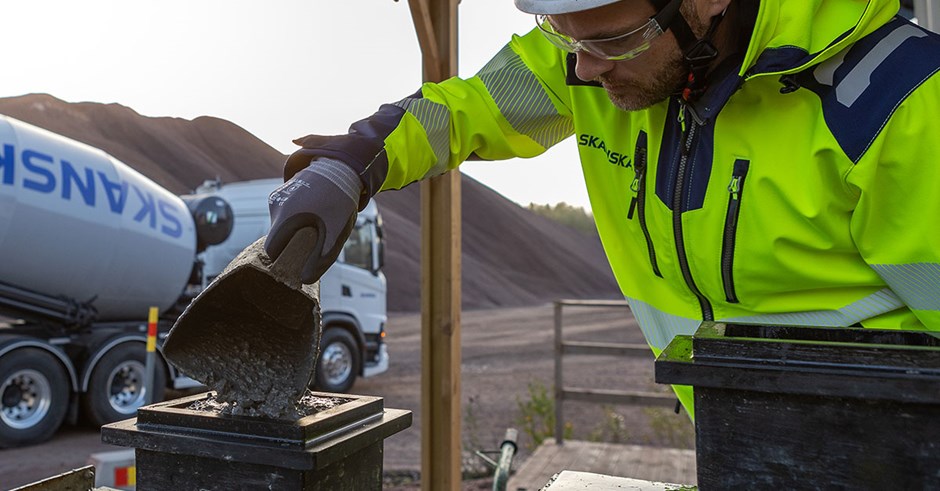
(253, 334)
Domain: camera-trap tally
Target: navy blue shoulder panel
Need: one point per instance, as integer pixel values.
(862, 86)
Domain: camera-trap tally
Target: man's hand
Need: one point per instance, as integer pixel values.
(324, 195)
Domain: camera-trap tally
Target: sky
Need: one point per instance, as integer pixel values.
(280, 68)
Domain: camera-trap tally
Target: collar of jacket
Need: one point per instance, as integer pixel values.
(791, 35)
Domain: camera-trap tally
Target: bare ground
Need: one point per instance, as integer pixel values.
(506, 354)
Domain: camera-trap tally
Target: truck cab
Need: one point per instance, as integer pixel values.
(352, 291)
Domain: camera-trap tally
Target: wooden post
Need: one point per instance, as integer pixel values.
(436, 25)
(440, 333)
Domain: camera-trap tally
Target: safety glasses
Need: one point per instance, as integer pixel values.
(622, 47)
(625, 46)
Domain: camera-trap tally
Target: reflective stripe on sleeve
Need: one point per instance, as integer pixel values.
(522, 100)
(435, 118)
(918, 284)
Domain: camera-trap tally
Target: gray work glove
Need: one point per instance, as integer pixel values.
(324, 195)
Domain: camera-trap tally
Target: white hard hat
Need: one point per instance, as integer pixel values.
(552, 7)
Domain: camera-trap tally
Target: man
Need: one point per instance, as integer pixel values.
(768, 161)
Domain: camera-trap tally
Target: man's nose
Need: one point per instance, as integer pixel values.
(589, 67)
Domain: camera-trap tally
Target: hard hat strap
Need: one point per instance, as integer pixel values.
(698, 53)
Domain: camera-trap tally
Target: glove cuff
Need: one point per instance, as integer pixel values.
(362, 149)
(340, 174)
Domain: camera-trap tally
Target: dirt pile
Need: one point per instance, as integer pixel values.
(511, 256)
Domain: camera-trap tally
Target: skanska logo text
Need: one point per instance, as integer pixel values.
(616, 158)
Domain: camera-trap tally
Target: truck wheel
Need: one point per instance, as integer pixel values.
(338, 362)
(116, 386)
(34, 397)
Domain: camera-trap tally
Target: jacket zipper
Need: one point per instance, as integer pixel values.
(688, 138)
(735, 192)
(638, 203)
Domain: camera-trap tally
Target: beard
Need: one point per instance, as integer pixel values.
(633, 95)
(665, 78)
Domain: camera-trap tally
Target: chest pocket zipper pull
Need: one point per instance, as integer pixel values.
(635, 187)
(735, 188)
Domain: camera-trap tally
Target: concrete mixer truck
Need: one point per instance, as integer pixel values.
(88, 245)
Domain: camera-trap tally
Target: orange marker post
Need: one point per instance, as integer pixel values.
(150, 365)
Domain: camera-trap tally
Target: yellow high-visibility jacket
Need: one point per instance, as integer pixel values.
(803, 188)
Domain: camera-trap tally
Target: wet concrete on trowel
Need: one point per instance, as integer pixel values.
(308, 405)
(255, 373)
(252, 338)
